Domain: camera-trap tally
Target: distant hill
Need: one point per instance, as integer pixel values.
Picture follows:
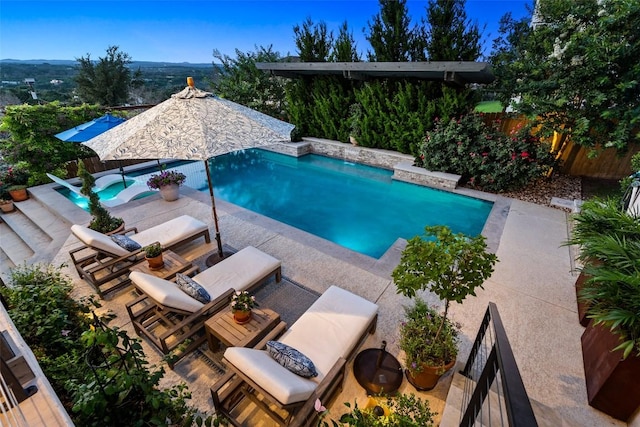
(134, 64)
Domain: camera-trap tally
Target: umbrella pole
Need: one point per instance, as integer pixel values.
(215, 214)
(124, 181)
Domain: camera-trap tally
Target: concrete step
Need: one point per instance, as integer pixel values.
(14, 250)
(29, 232)
(47, 221)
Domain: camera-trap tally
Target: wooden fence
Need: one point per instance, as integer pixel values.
(574, 159)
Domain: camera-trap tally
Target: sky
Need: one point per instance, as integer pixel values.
(189, 31)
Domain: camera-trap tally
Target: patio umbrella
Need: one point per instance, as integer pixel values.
(191, 125)
(90, 129)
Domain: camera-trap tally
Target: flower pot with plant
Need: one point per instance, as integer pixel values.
(241, 305)
(18, 193)
(168, 182)
(609, 242)
(6, 205)
(153, 255)
(102, 220)
(451, 266)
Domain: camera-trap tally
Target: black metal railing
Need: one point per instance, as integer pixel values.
(494, 393)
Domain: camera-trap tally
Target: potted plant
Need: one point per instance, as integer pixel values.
(153, 255)
(451, 266)
(168, 182)
(102, 220)
(241, 305)
(18, 193)
(6, 205)
(14, 183)
(609, 241)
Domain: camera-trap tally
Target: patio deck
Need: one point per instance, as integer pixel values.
(532, 286)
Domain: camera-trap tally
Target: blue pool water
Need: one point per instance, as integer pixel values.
(356, 206)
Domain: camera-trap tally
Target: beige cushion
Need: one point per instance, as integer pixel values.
(98, 240)
(240, 271)
(164, 292)
(263, 369)
(170, 232)
(329, 329)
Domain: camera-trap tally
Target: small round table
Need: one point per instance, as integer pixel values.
(377, 371)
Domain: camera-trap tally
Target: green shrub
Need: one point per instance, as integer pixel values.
(486, 158)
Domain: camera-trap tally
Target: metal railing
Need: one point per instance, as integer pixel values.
(494, 393)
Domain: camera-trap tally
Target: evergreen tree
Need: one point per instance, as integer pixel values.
(450, 35)
(108, 81)
(390, 36)
(313, 41)
(239, 80)
(344, 49)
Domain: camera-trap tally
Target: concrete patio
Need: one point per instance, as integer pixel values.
(532, 286)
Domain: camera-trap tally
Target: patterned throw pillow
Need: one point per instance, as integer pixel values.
(291, 359)
(192, 288)
(125, 242)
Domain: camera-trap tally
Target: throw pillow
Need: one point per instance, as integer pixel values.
(192, 288)
(126, 242)
(291, 359)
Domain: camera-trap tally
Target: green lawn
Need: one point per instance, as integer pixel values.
(489, 107)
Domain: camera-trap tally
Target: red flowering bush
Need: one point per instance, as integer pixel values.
(485, 157)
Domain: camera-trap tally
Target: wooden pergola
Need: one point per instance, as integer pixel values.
(459, 73)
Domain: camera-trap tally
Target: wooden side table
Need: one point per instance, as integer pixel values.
(222, 328)
(173, 263)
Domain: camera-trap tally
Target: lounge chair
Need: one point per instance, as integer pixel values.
(101, 262)
(167, 316)
(329, 333)
(100, 184)
(127, 195)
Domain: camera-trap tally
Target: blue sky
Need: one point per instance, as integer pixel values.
(189, 31)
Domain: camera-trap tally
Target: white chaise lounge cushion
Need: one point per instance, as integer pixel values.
(287, 387)
(240, 271)
(171, 232)
(331, 328)
(98, 240)
(168, 234)
(165, 292)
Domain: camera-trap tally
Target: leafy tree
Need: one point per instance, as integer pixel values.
(344, 49)
(239, 80)
(450, 35)
(108, 81)
(31, 139)
(577, 71)
(390, 36)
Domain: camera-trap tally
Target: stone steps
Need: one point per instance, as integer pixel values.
(31, 233)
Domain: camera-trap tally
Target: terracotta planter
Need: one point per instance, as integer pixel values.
(7, 207)
(170, 192)
(241, 316)
(612, 383)
(19, 195)
(429, 377)
(155, 263)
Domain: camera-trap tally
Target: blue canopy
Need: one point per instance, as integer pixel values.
(86, 131)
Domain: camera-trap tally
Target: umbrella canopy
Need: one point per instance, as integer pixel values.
(191, 125)
(88, 130)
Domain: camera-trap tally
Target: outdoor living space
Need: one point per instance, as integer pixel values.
(532, 286)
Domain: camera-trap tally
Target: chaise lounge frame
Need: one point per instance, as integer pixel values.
(228, 392)
(178, 325)
(100, 268)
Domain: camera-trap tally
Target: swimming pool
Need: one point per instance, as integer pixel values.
(356, 206)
